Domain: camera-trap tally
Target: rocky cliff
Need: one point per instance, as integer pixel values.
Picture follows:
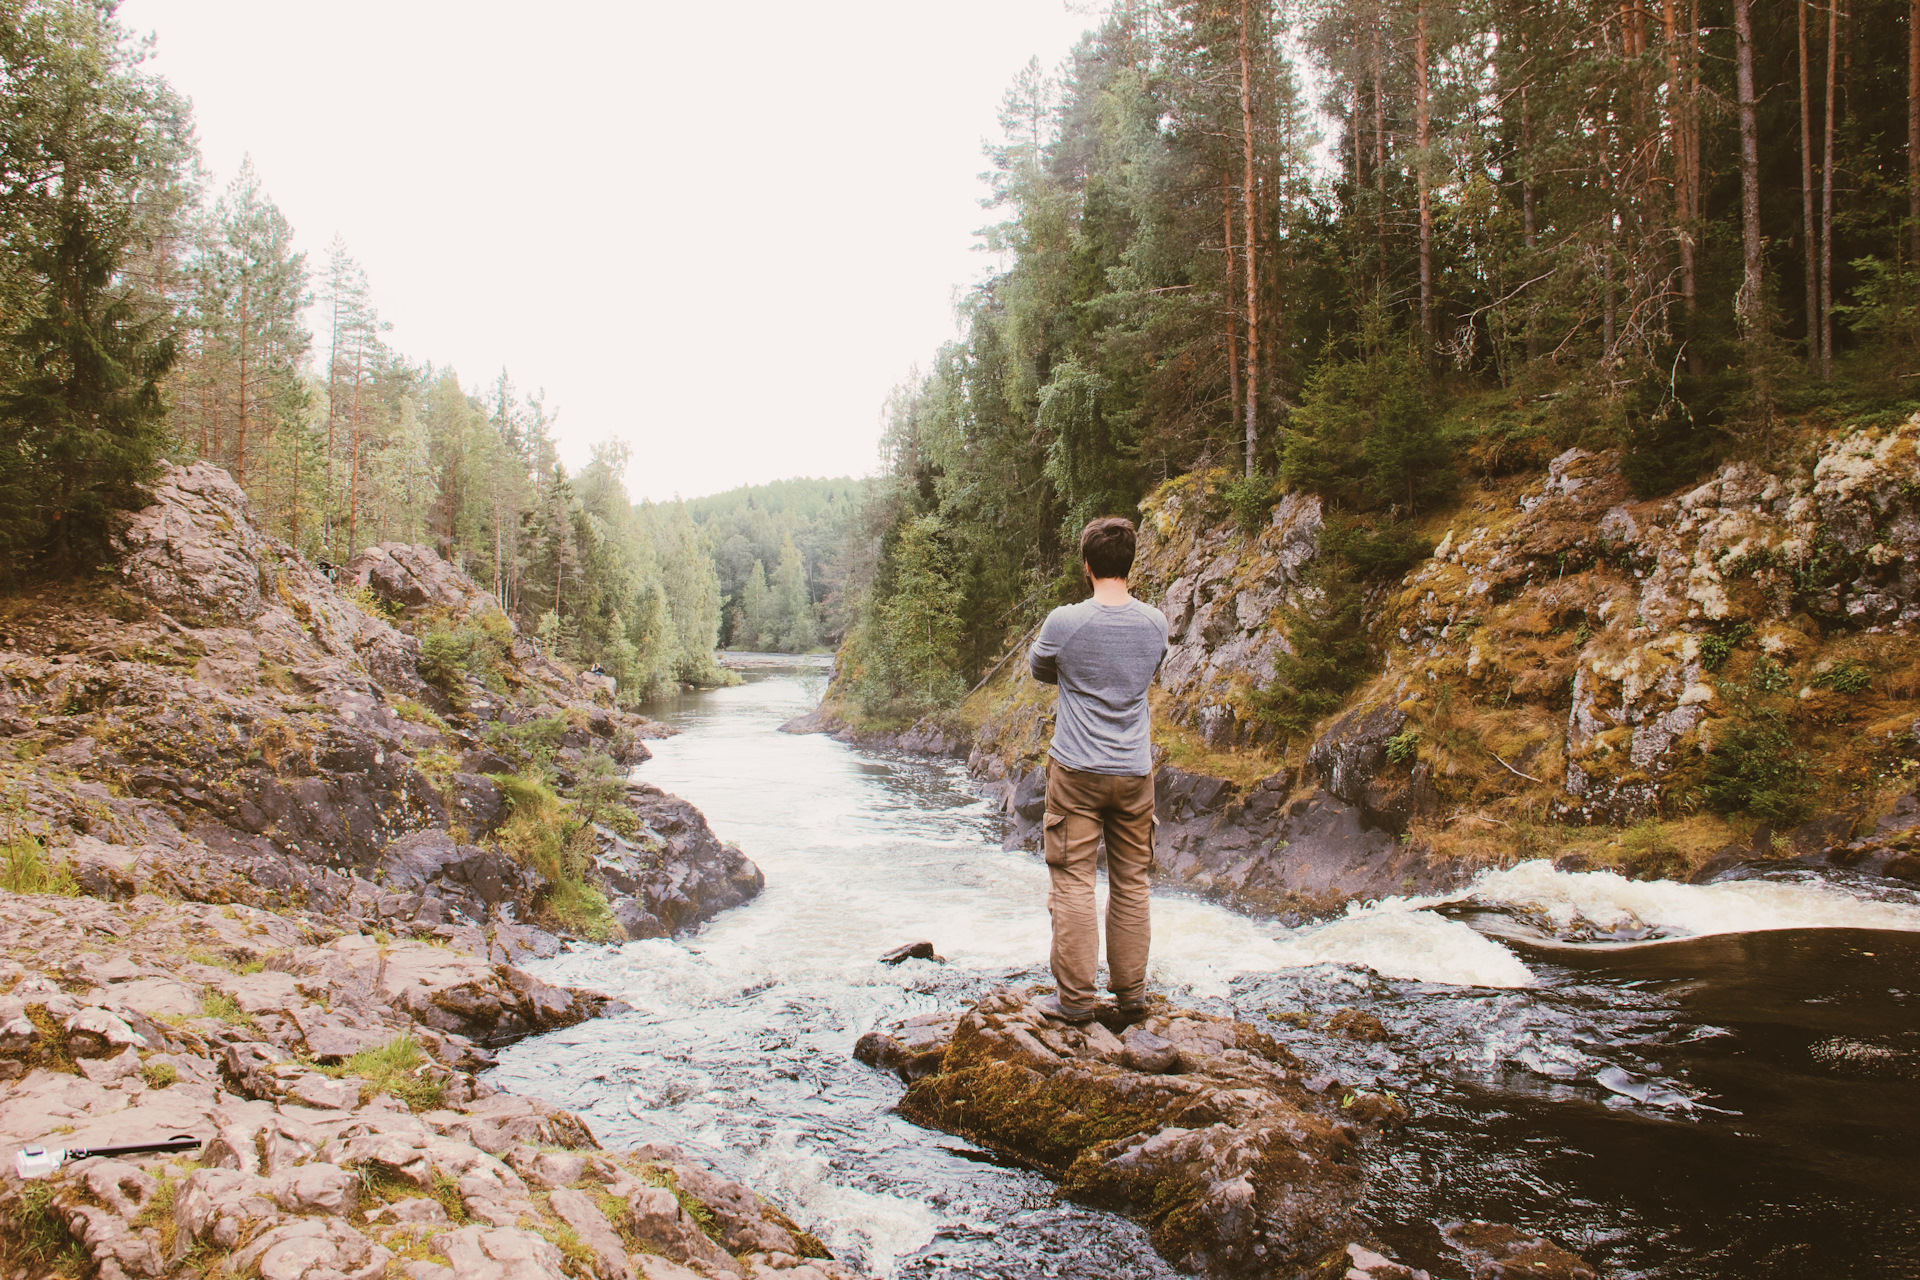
(1666, 685)
(273, 841)
(220, 721)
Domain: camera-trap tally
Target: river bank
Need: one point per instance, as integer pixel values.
(275, 849)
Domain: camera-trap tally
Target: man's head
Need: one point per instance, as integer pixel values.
(1106, 547)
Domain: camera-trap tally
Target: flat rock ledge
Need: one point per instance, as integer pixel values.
(345, 1136)
(1236, 1156)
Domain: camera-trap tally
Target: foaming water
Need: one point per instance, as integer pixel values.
(1605, 901)
(740, 1044)
(1399, 941)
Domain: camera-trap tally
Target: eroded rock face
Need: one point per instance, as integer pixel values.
(413, 577)
(1222, 593)
(676, 872)
(1199, 1126)
(311, 1172)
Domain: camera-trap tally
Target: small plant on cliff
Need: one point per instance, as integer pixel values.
(599, 785)
(26, 868)
(395, 1068)
(1845, 676)
(41, 1237)
(1717, 646)
(544, 836)
(1404, 747)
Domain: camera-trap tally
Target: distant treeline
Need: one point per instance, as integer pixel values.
(784, 552)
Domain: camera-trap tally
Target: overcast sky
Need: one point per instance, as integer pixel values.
(720, 233)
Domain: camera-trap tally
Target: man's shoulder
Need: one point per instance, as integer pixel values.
(1153, 614)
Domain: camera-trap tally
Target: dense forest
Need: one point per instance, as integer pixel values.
(783, 552)
(1490, 230)
(149, 318)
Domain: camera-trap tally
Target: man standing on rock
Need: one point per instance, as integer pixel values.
(1102, 653)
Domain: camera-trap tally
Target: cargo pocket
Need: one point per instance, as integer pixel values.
(1053, 839)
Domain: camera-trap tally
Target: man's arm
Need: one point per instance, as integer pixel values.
(1044, 658)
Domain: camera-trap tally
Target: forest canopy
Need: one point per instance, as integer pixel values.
(1368, 249)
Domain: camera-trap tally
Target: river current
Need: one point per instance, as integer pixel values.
(1677, 1081)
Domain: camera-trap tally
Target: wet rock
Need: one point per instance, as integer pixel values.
(1356, 1024)
(1234, 1168)
(1148, 1053)
(912, 951)
(685, 876)
(1353, 748)
(1494, 1251)
(1366, 1264)
(914, 1048)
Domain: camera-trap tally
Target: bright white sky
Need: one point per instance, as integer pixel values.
(720, 233)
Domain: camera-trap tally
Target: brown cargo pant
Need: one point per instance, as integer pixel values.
(1081, 807)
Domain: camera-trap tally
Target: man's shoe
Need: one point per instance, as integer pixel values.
(1052, 1008)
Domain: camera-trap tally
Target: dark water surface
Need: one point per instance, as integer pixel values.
(1740, 1100)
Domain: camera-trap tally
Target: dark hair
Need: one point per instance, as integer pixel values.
(1106, 545)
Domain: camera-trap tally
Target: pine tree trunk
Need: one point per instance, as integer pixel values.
(1913, 130)
(240, 438)
(1826, 199)
(1689, 252)
(1380, 146)
(1233, 326)
(1422, 130)
(1251, 220)
(1677, 143)
(353, 467)
(1806, 200)
(1529, 218)
(1751, 299)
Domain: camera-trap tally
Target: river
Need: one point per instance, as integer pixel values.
(1677, 1081)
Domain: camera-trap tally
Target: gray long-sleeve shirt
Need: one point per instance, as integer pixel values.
(1103, 657)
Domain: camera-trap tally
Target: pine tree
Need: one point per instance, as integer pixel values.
(793, 601)
(750, 629)
(84, 423)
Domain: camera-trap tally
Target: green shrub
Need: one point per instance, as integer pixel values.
(1249, 500)
(599, 787)
(545, 837)
(1717, 646)
(443, 663)
(1329, 657)
(1756, 768)
(1373, 551)
(1365, 435)
(478, 647)
(1845, 676)
(393, 1068)
(1404, 747)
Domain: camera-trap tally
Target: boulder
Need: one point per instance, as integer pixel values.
(414, 578)
(1235, 1168)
